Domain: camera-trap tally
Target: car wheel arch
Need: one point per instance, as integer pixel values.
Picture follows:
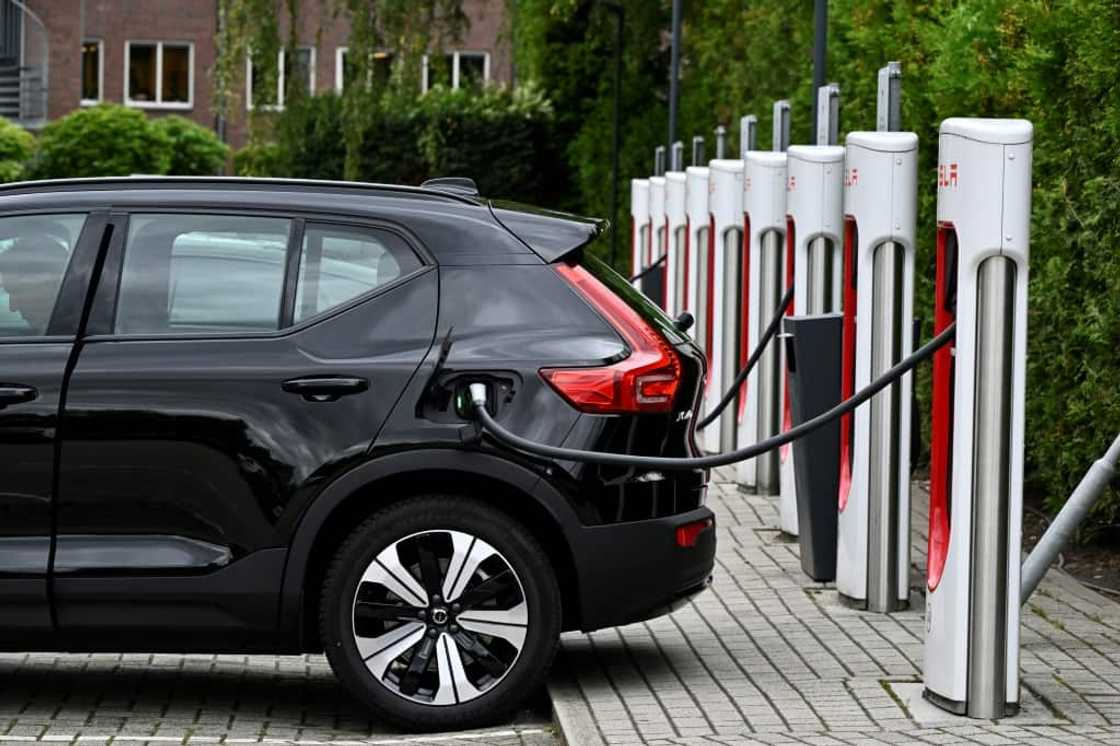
(509, 486)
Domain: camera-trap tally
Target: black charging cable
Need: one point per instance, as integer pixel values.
(478, 400)
(767, 335)
(650, 268)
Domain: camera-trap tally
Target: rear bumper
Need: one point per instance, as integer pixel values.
(632, 571)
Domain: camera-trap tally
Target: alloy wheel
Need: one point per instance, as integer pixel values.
(439, 617)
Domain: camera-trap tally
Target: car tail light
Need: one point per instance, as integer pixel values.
(645, 381)
(689, 533)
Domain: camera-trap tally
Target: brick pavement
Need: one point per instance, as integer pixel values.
(768, 656)
(204, 699)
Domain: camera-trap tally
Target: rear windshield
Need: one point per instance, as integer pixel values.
(634, 298)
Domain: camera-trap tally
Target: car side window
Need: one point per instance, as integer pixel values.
(339, 263)
(202, 273)
(35, 251)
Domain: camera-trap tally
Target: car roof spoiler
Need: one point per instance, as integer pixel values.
(551, 235)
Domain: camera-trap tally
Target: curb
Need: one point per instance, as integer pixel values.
(575, 725)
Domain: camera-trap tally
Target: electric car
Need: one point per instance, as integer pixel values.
(233, 419)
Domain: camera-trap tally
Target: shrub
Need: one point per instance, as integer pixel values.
(259, 159)
(104, 140)
(310, 140)
(195, 150)
(16, 146)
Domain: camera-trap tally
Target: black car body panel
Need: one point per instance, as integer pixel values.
(173, 491)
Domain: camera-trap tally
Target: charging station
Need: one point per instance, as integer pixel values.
(725, 251)
(652, 283)
(639, 227)
(976, 453)
(696, 249)
(880, 205)
(814, 197)
(676, 226)
(764, 224)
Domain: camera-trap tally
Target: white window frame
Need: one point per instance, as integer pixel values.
(280, 87)
(339, 67)
(100, 73)
(159, 103)
(455, 53)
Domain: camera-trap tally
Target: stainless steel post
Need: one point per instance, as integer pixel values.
(888, 110)
(679, 288)
(659, 160)
(748, 135)
(987, 648)
(698, 151)
(780, 142)
(732, 314)
(702, 270)
(769, 369)
(676, 156)
(721, 142)
(820, 276)
(886, 440)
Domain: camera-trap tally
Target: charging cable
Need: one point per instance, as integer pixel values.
(767, 335)
(502, 435)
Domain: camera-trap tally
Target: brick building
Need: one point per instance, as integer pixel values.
(157, 55)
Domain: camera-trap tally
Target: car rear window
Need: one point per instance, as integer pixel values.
(633, 297)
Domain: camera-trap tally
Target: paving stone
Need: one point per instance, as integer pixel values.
(768, 656)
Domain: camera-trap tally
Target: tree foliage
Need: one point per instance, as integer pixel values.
(1051, 62)
(253, 29)
(503, 139)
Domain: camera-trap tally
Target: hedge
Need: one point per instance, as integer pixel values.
(195, 150)
(113, 140)
(16, 147)
(503, 139)
(1052, 63)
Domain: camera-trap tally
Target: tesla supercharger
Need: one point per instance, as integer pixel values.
(814, 215)
(659, 232)
(639, 226)
(696, 250)
(880, 209)
(764, 227)
(976, 451)
(676, 228)
(725, 250)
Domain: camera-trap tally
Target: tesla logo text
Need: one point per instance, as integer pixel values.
(947, 175)
(791, 185)
(852, 177)
(685, 415)
(747, 183)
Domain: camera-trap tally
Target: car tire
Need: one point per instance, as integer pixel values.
(440, 613)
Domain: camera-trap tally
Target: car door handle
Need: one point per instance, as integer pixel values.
(14, 393)
(325, 388)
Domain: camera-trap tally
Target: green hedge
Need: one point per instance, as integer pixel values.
(503, 139)
(195, 150)
(1052, 63)
(16, 147)
(112, 140)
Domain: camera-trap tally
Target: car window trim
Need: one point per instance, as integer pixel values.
(107, 334)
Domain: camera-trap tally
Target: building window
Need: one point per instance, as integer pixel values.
(159, 74)
(457, 70)
(381, 69)
(302, 67)
(92, 71)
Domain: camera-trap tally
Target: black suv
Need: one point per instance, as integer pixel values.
(232, 420)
